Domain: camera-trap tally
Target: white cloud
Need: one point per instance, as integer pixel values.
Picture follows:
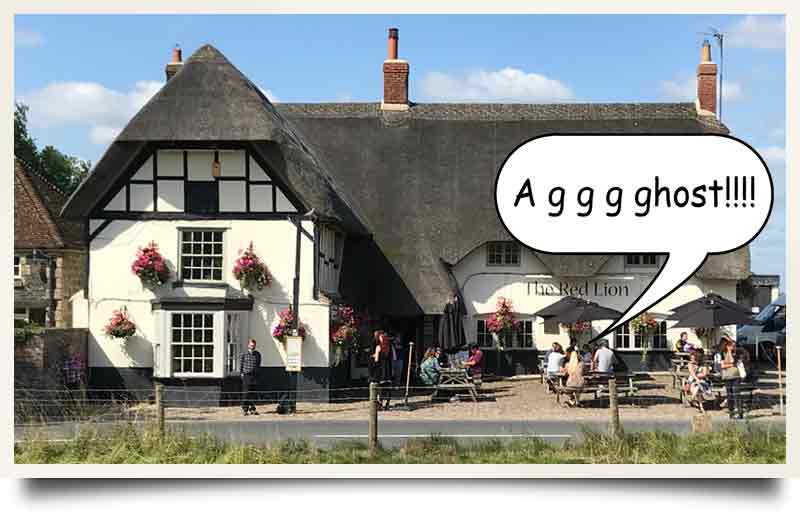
(103, 135)
(758, 32)
(773, 154)
(686, 90)
(507, 84)
(102, 108)
(778, 133)
(28, 38)
(272, 97)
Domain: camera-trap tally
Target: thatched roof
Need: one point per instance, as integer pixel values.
(423, 179)
(210, 100)
(420, 182)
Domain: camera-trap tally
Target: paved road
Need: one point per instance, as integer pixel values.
(392, 432)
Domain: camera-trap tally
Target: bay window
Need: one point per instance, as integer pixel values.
(199, 343)
(624, 340)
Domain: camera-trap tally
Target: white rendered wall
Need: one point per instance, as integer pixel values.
(112, 285)
(482, 285)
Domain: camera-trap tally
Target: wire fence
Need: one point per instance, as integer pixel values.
(496, 400)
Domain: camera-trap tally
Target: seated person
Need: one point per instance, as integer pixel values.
(574, 370)
(555, 361)
(680, 343)
(603, 361)
(697, 381)
(430, 370)
(474, 363)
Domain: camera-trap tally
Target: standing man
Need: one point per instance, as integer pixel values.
(249, 362)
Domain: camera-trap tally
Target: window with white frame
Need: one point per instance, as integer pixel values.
(645, 260)
(484, 338)
(524, 338)
(502, 253)
(656, 341)
(233, 340)
(202, 254)
(20, 314)
(622, 337)
(17, 266)
(192, 342)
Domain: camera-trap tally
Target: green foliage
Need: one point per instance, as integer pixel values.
(62, 170)
(23, 330)
(132, 444)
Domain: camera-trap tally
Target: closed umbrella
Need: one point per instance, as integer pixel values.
(451, 334)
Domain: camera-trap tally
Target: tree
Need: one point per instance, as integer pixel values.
(63, 171)
(24, 145)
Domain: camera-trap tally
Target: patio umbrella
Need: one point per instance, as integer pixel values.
(451, 333)
(586, 311)
(703, 301)
(710, 313)
(568, 302)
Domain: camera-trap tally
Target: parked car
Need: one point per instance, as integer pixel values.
(767, 330)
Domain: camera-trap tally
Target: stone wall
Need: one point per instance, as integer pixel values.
(70, 277)
(31, 290)
(40, 359)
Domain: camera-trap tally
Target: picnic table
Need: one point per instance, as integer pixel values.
(457, 380)
(596, 384)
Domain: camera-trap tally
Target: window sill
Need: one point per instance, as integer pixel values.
(209, 284)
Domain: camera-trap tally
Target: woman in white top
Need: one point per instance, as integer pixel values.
(555, 360)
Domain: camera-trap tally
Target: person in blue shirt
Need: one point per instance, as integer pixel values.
(429, 370)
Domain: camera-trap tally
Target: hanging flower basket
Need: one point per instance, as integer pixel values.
(120, 326)
(250, 270)
(150, 266)
(285, 324)
(502, 323)
(344, 327)
(645, 325)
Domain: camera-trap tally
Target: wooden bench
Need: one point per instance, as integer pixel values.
(597, 384)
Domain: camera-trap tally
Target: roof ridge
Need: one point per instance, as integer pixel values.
(29, 168)
(38, 203)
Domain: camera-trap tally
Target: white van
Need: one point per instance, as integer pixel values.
(767, 330)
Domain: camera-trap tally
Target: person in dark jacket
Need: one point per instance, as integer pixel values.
(249, 362)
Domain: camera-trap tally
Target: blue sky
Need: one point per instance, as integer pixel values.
(85, 76)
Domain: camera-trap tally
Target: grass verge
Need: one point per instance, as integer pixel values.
(129, 444)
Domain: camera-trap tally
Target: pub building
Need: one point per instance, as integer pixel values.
(389, 203)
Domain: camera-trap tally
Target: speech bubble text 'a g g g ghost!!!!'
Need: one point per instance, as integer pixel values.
(682, 195)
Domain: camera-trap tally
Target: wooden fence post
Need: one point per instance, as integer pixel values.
(780, 380)
(613, 405)
(160, 407)
(373, 417)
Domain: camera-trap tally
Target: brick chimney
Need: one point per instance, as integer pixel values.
(395, 78)
(706, 82)
(177, 63)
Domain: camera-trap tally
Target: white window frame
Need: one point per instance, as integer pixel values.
(482, 336)
(234, 339)
(22, 316)
(213, 343)
(504, 253)
(524, 322)
(634, 341)
(17, 266)
(162, 359)
(181, 232)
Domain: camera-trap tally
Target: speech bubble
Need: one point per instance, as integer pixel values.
(687, 196)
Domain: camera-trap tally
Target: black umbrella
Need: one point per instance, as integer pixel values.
(451, 331)
(586, 311)
(702, 302)
(568, 302)
(710, 311)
